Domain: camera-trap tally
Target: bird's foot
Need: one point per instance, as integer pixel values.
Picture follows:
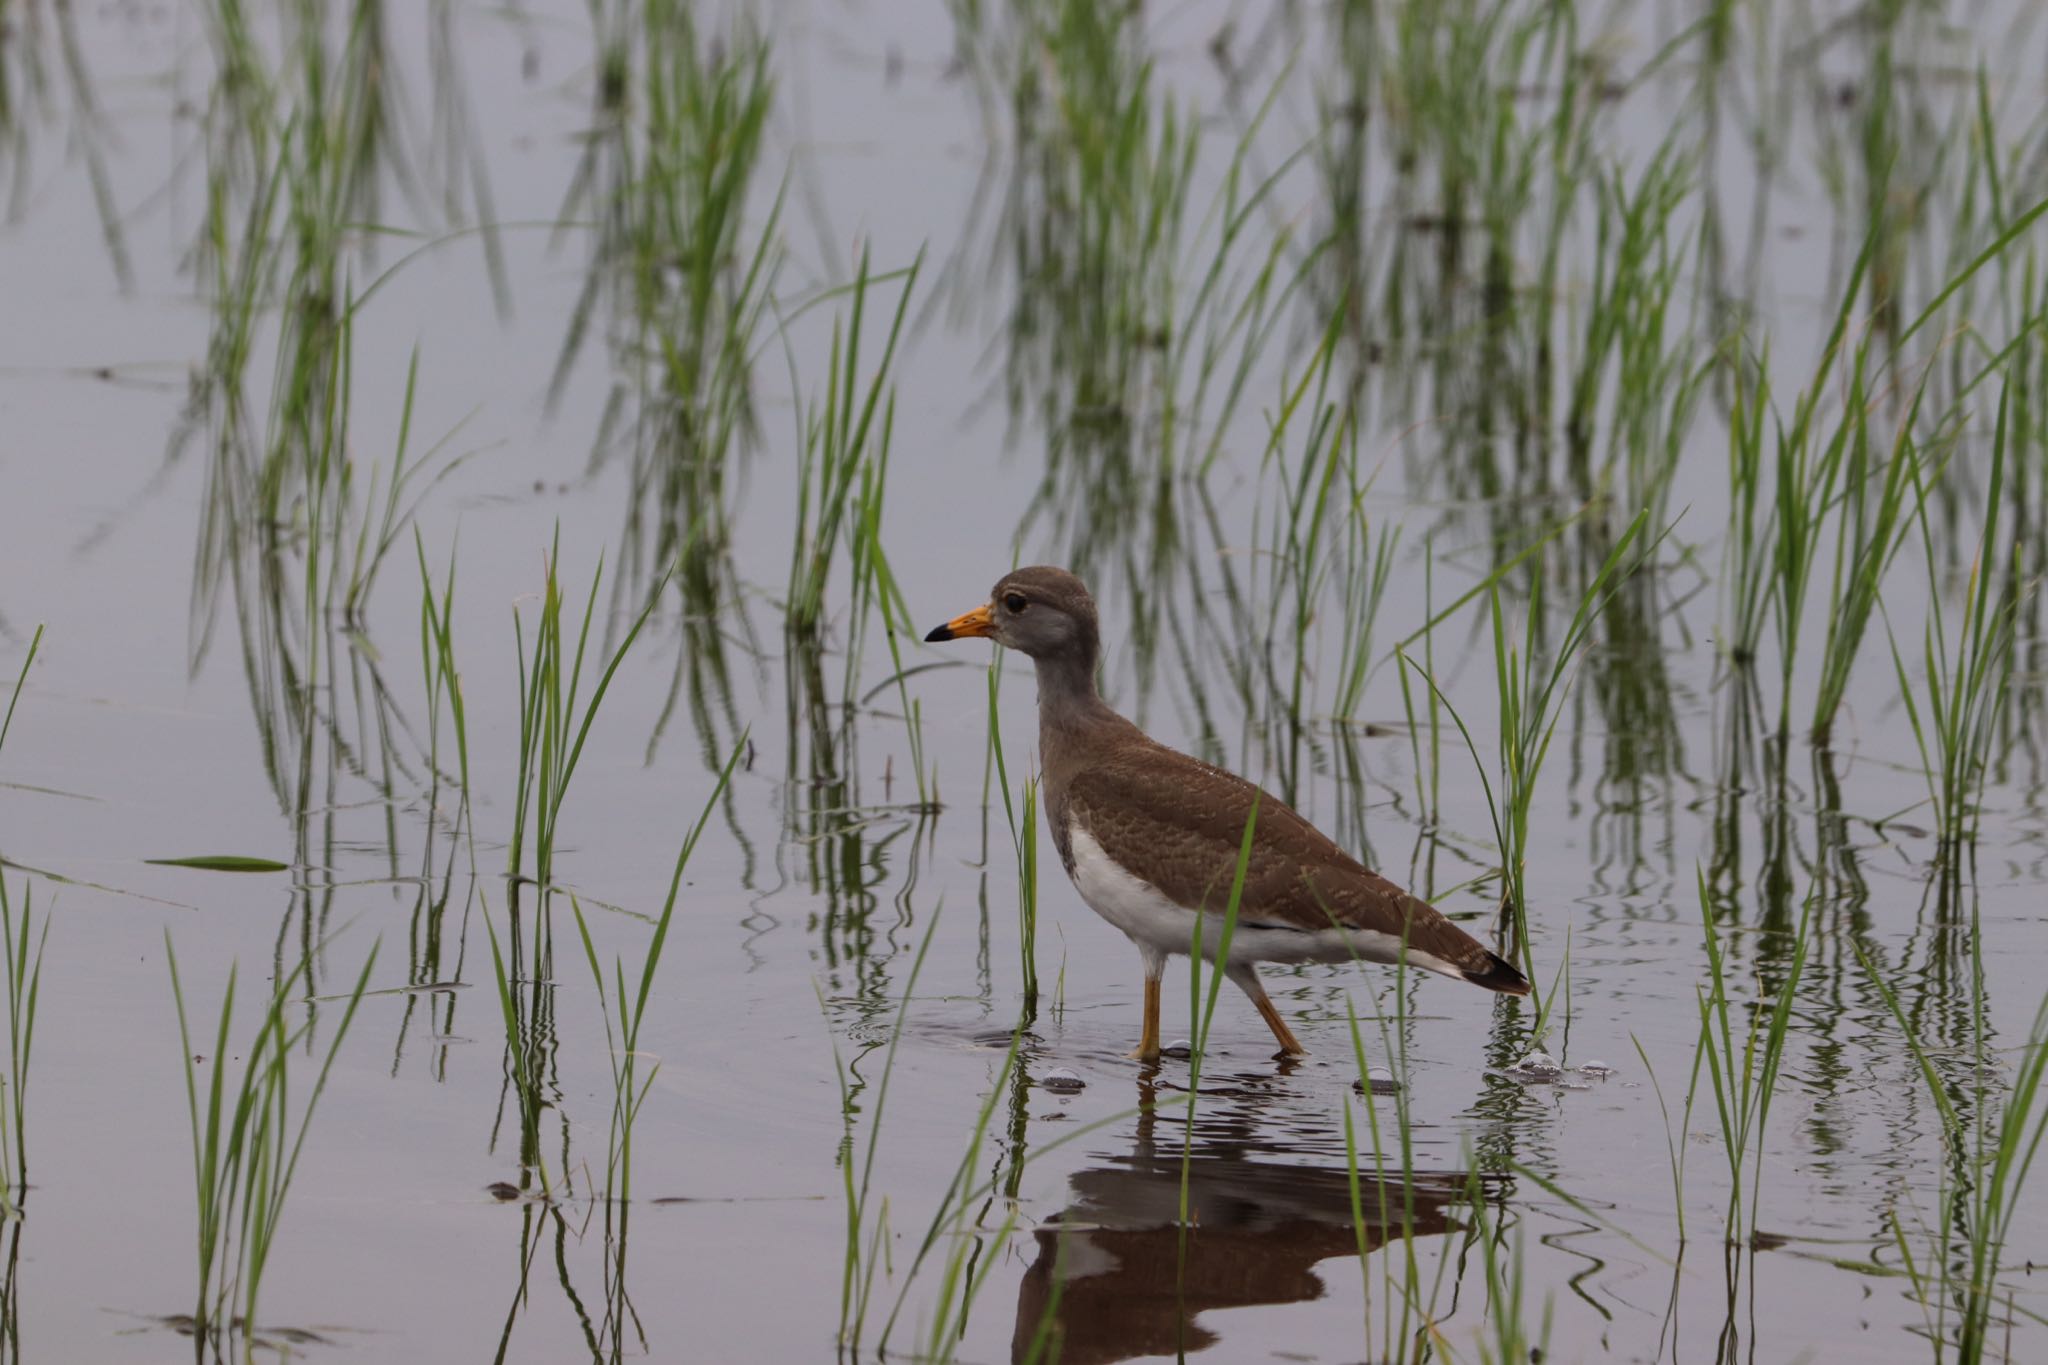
(1141, 1054)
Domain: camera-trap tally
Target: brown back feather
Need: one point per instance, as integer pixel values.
(1185, 820)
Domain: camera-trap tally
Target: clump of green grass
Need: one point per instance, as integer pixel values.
(625, 1011)
(21, 958)
(1954, 710)
(1394, 1205)
(246, 1141)
(868, 1235)
(23, 967)
(875, 591)
(1827, 471)
(1507, 1288)
(443, 680)
(46, 70)
(1530, 682)
(844, 445)
(1743, 1063)
(667, 175)
(1631, 332)
(1993, 1126)
(552, 731)
(525, 989)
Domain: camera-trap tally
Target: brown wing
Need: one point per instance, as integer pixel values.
(1184, 821)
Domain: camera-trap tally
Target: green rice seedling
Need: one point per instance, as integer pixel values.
(625, 1011)
(1100, 164)
(1967, 676)
(1301, 522)
(23, 967)
(1238, 303)
(1027, 895)
(1530, 682)
(842, 437)
(1674, 1141)
(867, 1226)
(1202, 1005)
(1993, 1125)
(1024, 839)
(977, 1250)
(443, 681)
(1818, 478)
(1808, 480)
(1426, 791)
(1872, 522)
(1368, 567)
(1630, 332)
(1507, 1288)
(522, 972)
(28, 660)
(1748, 547)
(45, 68)
(1406, 1311)
(379, 529)
(1743, 1063)
(667, 176)
(548, 746)
(1768, 563)
(960, 1219)
(246, 1142)
(969, 1264)
(294, 149)
(1102, 171)
(24, 972)
(875, 590)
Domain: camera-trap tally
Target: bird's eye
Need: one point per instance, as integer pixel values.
(1016, 601)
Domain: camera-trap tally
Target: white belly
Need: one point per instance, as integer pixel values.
(1160, 926)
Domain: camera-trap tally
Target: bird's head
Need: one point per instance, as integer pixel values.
(1039, 611)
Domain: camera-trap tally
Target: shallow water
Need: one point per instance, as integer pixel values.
(419, 1229)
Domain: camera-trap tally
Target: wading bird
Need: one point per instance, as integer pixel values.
(1152, 837)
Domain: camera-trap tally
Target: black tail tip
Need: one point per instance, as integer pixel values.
(1499, 974)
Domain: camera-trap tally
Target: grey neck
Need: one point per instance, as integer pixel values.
(1066, 682)
(1069, 709)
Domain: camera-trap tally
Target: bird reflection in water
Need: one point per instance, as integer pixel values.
(1119, 1280)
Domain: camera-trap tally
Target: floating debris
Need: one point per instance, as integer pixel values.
(1538, 1065)
(1596, 1069)
(1062, 1080)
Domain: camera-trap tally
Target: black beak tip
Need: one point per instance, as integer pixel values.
(938, 633)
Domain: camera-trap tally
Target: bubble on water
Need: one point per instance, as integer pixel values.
(1379, 1080)
(1179, 1047)
(1596, 1069)
(1062, 1080)
(1539, 1064)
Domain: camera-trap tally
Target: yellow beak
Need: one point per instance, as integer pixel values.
(973, 625)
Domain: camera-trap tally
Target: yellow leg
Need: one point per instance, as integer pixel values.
(1290, 1046)
(1148, 1041)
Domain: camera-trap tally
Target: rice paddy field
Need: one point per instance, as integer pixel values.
(492, 872)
